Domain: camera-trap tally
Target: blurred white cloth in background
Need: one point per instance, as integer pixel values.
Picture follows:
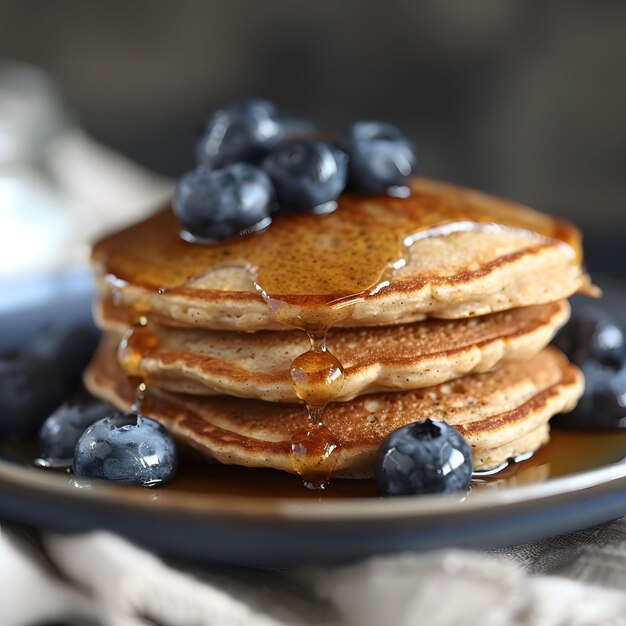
(104, 191)
(117, 583)
(59, 189)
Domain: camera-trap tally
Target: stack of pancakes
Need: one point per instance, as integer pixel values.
(457, 331)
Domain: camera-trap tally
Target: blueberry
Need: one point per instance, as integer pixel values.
(307, 175)
(217, 204)
(381, 157)
(245, 131)
(603, 405)
(61, 431)
(126, 448)
(592, 334)
(30, 389)
(424, 457)
(68, 348)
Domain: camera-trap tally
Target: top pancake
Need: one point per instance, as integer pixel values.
(442, 252)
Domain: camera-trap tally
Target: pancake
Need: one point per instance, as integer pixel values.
(442, 252)
(393, 358)
(502, 414)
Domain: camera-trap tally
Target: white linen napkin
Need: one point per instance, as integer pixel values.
(101, 578)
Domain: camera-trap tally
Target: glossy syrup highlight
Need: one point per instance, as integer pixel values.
(317, 378)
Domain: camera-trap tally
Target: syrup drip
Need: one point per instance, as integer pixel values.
(317, 375)
(138, 342)
(326, 263)
(317, 378)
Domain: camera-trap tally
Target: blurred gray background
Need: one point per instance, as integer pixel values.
(523, 98)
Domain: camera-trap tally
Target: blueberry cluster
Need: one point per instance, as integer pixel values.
(253, 160)
(424, 458)
(82, 433)
(594, 341)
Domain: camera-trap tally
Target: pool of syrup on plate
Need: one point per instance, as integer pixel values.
(324, 265)
(567, 452)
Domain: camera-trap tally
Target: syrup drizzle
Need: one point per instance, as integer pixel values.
(312, 258)
(329, 263)
(317, 377)
(137, 343)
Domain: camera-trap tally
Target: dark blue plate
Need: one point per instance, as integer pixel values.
(251, 517)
